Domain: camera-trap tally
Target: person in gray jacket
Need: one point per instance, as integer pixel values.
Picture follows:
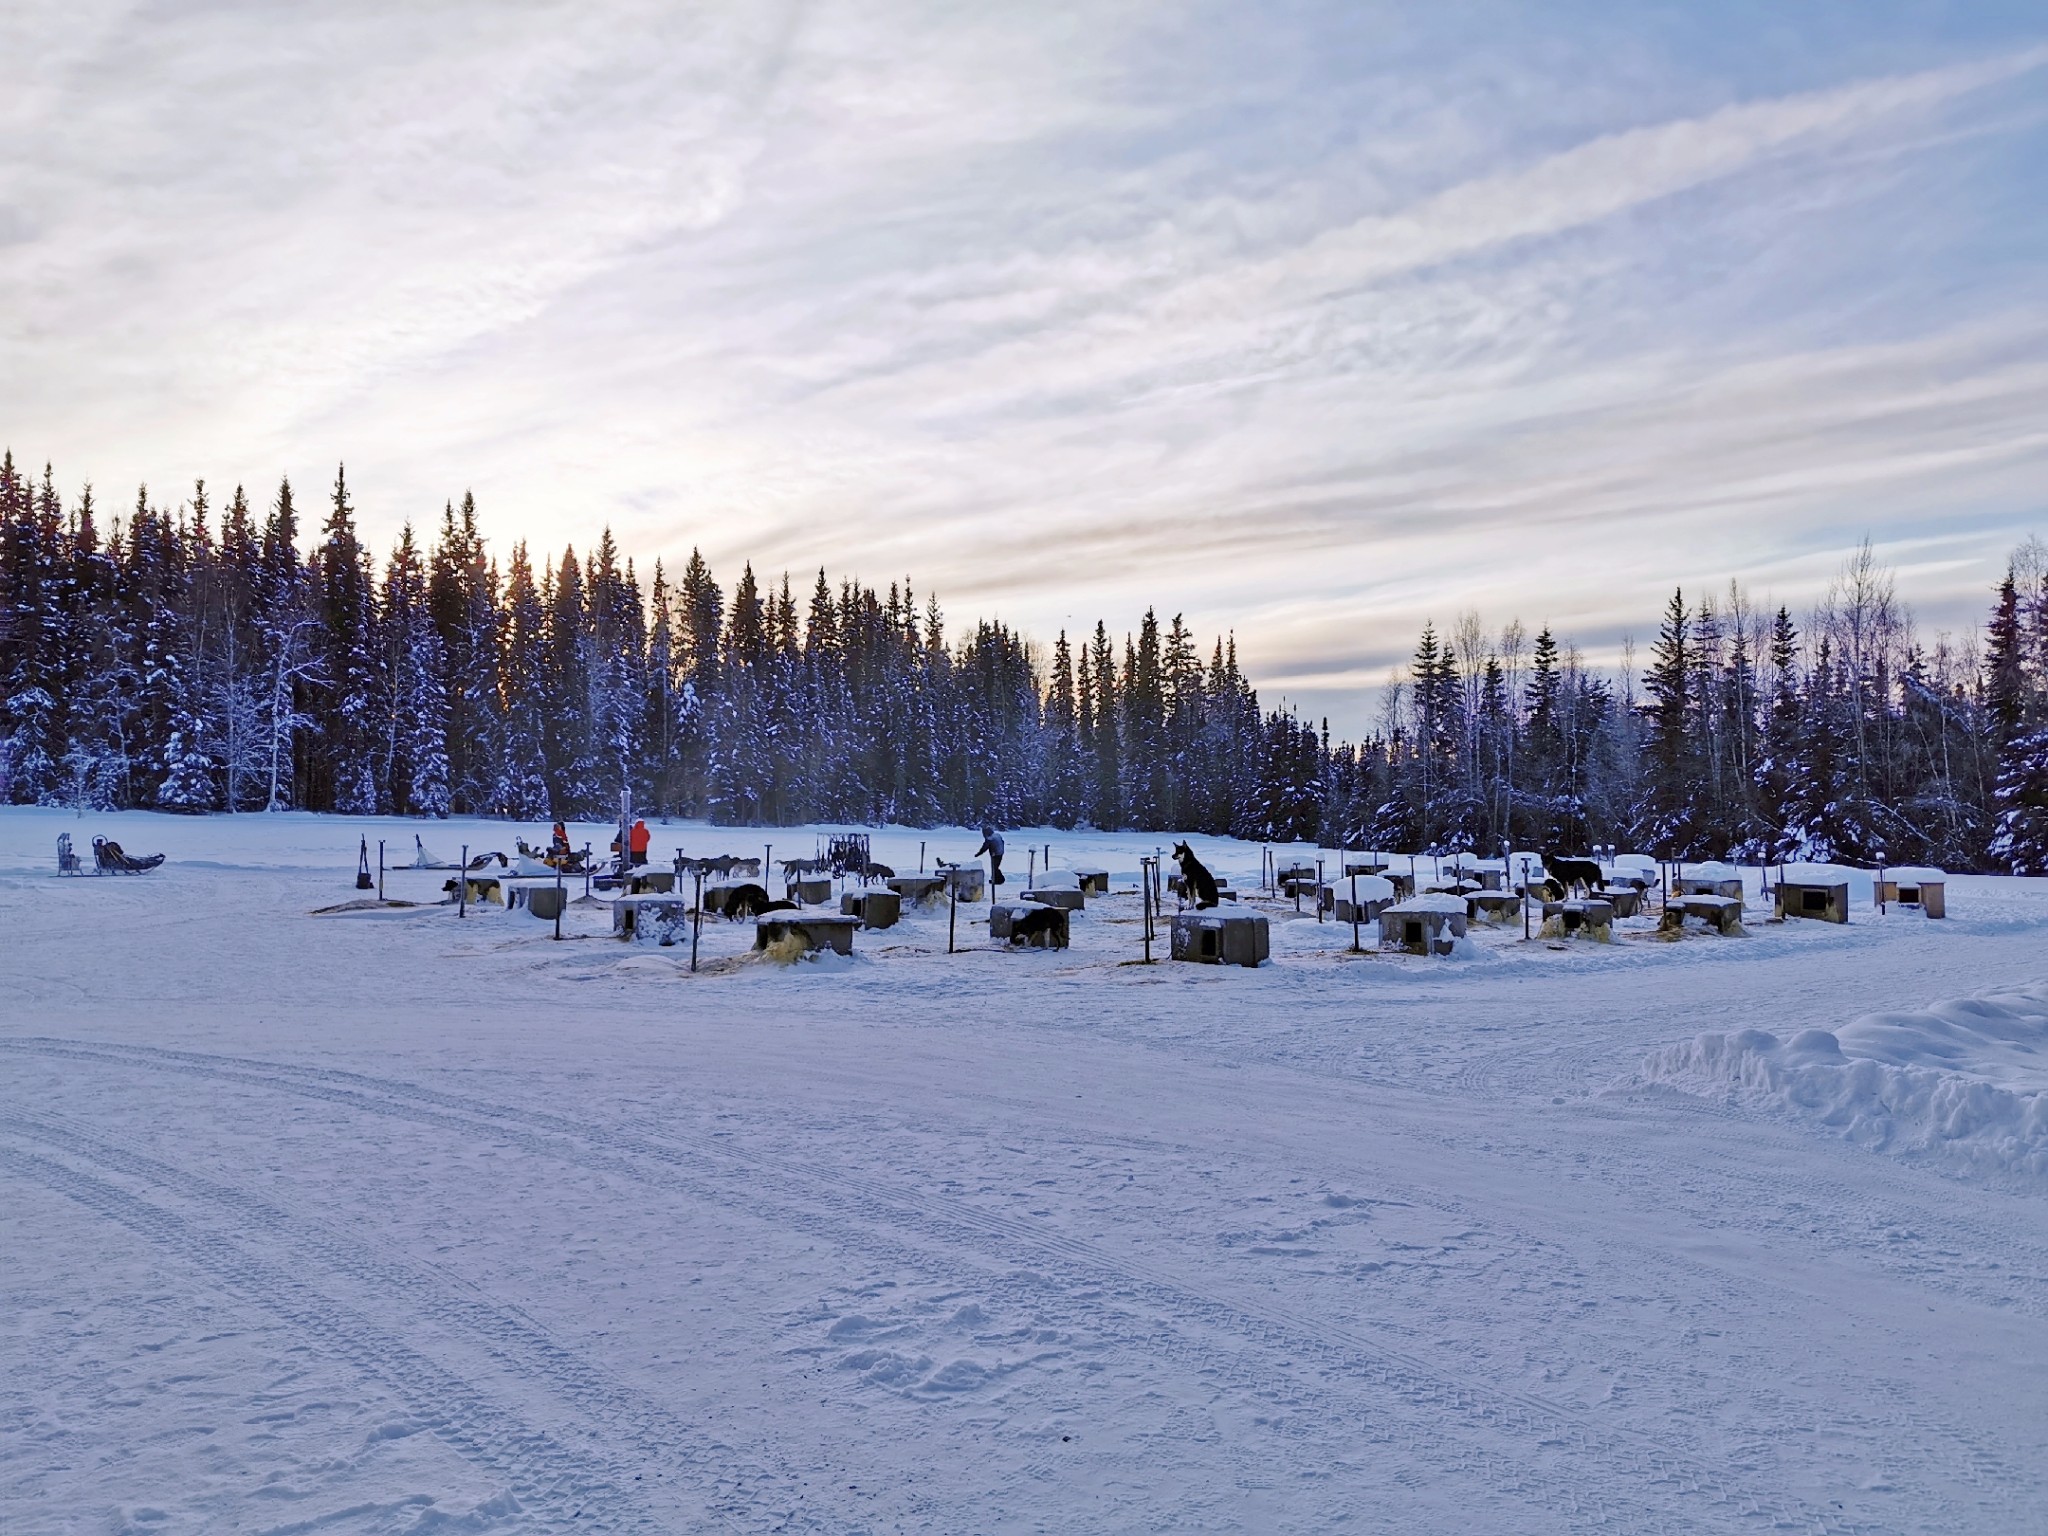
(992, 845)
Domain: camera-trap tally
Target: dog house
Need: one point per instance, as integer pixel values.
(811, 890)
(875, 909)
(1818, 891)
(969, 882)
(1626, 900)
(1219, 938)
(1004, 915)
(1094, 879)
(1424, 925)
(1371, 864)
(1708, 879)
(1583, 919)
(1914, 887)
(917, 889)
(1373, 893)
(1495, 908)
(1723, 914)
(1066, 899)
(816, 930)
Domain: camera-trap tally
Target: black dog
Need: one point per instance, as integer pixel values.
(744, 901)
(1575, 872)
(1050, 922)
(1195, 877)
(876, 871)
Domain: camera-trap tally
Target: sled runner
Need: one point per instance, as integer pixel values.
(108, 859)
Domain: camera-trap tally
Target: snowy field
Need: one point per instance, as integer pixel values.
(392, 1220)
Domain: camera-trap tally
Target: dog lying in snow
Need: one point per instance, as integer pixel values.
(1195, 876)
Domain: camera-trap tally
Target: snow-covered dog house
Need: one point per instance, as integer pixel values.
(1818, 891)
(1424, 925)
(1636, 870)
(1374, 894)
(1723, 914)
(968, 882)
(1916, 887)
(1093, 879)
(1221, 938)
(1497, 908)
(1592, 919)
(811, 890)
(1626, 900)
(1066, 898)
(875, 909)
(1708, 878)
(1004, 917)
(1370, 864)
(816, 930)
(916, 889)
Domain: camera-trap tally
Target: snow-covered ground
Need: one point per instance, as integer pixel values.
(393, 1220)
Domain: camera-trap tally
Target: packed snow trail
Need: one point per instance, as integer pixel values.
(391, 1221)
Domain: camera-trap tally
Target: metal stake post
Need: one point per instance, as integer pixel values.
(1356, 947)
(462, 885)
(561, 900)
(920, 855)
(1031, 870)
(1319, 890)
(380, 869)
(952, 910)
(586, 871)
(696, 920)
(1525, 896)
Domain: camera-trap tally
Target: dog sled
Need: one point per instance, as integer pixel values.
(569, 863)
(109, 858)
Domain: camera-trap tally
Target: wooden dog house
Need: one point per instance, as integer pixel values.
(875, 909)
(1221, 938)
(1374, 892)
(1817, 891)
(1708, 879)
(968, 881)
(1094, 879)
(1916, 887)
(1589, 919)
(1003, 916)
(1424, 925)
(817, 930)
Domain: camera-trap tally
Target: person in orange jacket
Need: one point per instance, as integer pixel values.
(637, 840)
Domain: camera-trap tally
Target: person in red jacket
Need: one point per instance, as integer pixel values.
(637, 840)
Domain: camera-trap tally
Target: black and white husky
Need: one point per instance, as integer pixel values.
(1195, 876)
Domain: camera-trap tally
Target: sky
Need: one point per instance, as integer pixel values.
(1311, 321)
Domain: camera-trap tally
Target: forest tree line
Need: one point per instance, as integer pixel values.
(229, 659)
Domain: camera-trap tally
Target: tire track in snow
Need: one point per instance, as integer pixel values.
(546, 1478)
(1463, 1409)
(621, 1415)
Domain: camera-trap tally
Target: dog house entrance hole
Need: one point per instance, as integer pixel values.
(1209, 938)
(1813, 901)
(1412, 931)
